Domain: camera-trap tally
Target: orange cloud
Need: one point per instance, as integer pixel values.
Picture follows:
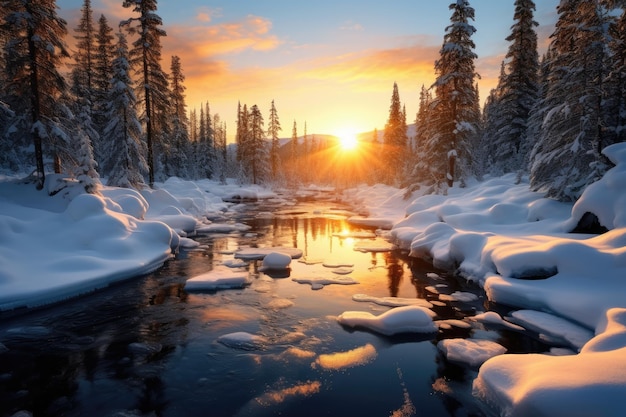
(227, 38)
(378, 68)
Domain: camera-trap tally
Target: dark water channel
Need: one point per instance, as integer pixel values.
(148, 347)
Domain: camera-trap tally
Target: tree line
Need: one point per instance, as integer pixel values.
(117, 114)
(548, 118)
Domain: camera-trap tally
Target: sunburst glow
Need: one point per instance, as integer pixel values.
(348, 141)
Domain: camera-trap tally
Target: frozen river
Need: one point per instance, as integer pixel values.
(148, 347)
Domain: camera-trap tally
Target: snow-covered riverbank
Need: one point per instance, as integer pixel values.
(494, 232)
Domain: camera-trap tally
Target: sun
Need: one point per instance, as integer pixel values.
(348, 141)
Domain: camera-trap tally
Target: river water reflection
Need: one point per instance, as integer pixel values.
(148, 347)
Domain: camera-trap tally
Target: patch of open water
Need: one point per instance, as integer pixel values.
(148, 347)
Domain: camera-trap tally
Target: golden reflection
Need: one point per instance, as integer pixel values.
(279, 396)
(355, 357)
(221, 317)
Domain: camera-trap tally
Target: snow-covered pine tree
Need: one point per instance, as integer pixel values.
(34, 49)
(243, 148)
(293, 154)
(9, 157)
(614, 108)
(256, 154)
(240, 130)
(81, 131)
(204, 147)
(102, 72)
(178, 159)
(273, 130)
(83, 70)
(455, 119)
(517, 93)
(567, 156)
(394, 139)
(126, 163)
(146, 57)
(221, 156)
(84, 134)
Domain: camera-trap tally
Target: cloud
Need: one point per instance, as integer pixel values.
(375, 68)
(253, 32)
(351, 26)
(206, 14)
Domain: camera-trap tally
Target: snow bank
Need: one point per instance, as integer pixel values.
(49, 256)
(516, 244)
(588, 384)
(57, 247)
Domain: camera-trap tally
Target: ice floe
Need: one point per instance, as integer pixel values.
(407, 319)
(217, 279)
(252, 254)
(392, 301)
(471, 352)
(243, 341)
(319, 283)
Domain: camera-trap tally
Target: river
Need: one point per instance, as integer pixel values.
(148, 347)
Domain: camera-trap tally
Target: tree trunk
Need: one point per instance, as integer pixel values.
(35, 108)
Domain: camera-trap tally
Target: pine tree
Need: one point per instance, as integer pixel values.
(244, 150)
(517, 93)
(34, 52)
(126, 161)
(293, 153)
(84, 96)
(180, 136)
(395, 139)
(256, 150)
(615, 99)
(273, 129)
(455, 120)
(102, 73)
(567, 156)
(83, 85)
(146, 55)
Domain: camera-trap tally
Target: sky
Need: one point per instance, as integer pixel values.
(330, 64)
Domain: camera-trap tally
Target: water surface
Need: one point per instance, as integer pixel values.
(148, 347)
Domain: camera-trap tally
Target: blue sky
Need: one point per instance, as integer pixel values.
(331, 64)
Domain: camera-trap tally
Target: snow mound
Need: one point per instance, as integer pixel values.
(407, 319)
(87, 247)
(605, 198)
(276, 260)
(590, 383)
(217, 279)
(243, 341)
